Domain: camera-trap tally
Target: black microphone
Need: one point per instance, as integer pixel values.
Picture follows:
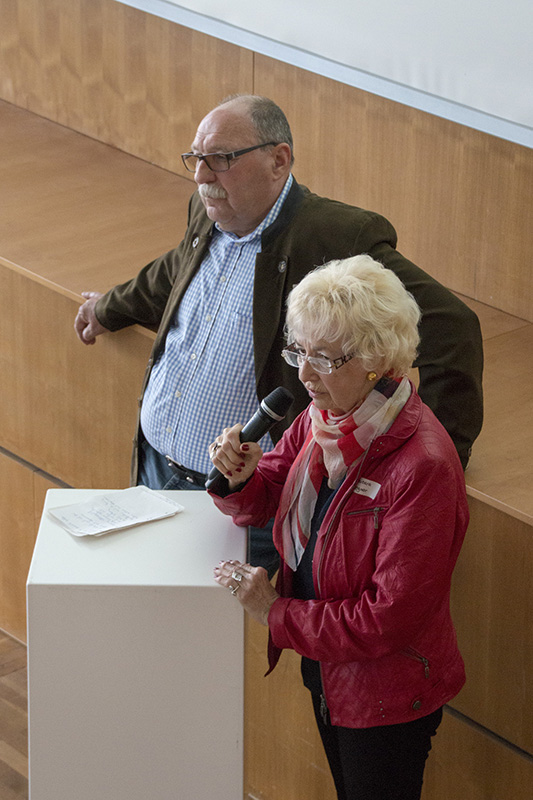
(272, 409)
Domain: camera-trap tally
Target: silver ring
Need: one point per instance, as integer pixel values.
(234, 589)
(237, 576)
(216, 446)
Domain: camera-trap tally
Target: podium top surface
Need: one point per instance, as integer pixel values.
(177, 551)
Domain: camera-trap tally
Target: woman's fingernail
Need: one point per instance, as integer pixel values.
(245, 447)
(242, 464)
(229, 474)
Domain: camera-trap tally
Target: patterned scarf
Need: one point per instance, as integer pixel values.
(333, 445)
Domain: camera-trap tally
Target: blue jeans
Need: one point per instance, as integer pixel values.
(156, 473)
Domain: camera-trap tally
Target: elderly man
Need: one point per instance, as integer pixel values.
(218, 299)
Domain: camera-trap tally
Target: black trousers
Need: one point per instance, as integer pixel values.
(382, 763)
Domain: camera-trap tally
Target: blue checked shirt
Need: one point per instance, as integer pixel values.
(204, 381)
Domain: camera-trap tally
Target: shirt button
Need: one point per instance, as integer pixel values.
(195, 241)
(169, 429)
(282, 266)
(417, 705)
(177, 394)
(208, 317)
(193, 356)
(223, 278)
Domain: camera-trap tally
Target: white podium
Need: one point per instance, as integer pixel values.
(135, 659)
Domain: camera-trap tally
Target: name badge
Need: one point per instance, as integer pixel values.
(368, 488)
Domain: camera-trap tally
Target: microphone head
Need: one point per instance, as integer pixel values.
(277, 403)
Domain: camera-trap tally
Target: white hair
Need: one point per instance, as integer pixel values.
(364, 305)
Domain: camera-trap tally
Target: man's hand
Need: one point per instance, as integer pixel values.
(86, 324)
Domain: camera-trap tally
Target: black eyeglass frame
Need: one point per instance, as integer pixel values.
(228, 156)
(330, 363)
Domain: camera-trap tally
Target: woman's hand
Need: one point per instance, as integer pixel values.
(250, 585)
(234, 460)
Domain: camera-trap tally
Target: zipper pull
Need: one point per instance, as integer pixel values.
(323, 709)
(425, 662)
(376, 522)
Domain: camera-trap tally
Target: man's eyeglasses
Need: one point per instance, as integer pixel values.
(294, 356)
(218, 162)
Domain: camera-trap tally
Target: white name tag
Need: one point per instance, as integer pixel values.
(368, 488)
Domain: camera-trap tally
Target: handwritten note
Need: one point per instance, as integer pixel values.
(115, 511)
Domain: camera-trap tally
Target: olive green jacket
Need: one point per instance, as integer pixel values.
(309, 231)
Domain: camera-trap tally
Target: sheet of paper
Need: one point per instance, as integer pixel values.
(111, 512)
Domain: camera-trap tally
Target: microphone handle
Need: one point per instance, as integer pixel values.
(257, 426)
(255, 429)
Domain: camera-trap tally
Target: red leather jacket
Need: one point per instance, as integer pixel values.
(381, 625)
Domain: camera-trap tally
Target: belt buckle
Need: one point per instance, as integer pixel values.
(184, 472)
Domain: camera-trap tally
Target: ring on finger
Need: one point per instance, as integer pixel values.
(237, 576)
(235, 589)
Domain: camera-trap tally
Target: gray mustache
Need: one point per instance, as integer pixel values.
(212, 190)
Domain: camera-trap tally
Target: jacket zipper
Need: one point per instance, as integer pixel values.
(374, 511)
(323, 701)
(323, 705)
(410, 652)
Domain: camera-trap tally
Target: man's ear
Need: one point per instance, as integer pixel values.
(282, 156)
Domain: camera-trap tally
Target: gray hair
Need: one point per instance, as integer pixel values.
(267, 118)
(364, 305)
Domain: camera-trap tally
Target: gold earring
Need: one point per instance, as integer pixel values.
(371, 376)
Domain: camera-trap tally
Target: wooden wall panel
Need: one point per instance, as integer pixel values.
(492, 606)
(501, 459)
(19, 522)
(283, 754)
(128, 78)
(467, 763)
(460, 200)
(68, 409)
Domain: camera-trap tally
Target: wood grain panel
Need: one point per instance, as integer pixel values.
(283, 753)
(78, 212)
(13, 720)
(17, 537)
(128, 78)
(68, 409)
(460, 199)
(492, 606)
(500, 468)
(23, 490)
(466, 763)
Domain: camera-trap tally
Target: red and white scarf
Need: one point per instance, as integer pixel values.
(333, 445)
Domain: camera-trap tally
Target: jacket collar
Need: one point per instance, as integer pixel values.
(403, 427)
(288, 210)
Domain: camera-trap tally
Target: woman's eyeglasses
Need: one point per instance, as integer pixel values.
(294, 356)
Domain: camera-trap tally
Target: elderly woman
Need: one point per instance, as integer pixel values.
(371, 511)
